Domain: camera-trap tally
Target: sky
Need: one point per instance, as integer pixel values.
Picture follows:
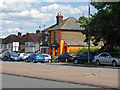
(28, 15)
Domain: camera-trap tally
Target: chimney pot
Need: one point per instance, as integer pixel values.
(37, 31)
(19, 34)
(59, 18)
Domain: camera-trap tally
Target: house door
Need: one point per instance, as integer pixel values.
(65, 49)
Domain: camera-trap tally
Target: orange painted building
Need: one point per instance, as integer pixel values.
(65, 36)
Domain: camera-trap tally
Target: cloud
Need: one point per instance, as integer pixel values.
(25, 11)
(11, 1)
(65, 9)
(13, 24)
(20, 13)
(15, 6)
(10, 30)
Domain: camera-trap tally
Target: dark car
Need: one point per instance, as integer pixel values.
(35, 57)
(84, 58)
(10, 56)
(66, 57)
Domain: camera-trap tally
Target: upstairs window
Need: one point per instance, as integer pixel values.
(26, 44)
(46, 38)
(55, 35)
(56, 51)
(31, 44)
(50, 37)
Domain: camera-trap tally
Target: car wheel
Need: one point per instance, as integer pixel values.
(114, 63)
(97, 62)
(5, 58)
(33, 61)
(57, 60)
(26, 61)
(75, 61)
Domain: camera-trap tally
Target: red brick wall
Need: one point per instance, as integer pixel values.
(58, 41)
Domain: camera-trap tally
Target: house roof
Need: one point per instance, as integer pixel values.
(49, 28)
(76, 43)
(31, 37)
(11, 38)
(1, 40)
(67, 24)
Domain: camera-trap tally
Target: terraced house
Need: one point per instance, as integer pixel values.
(31, 41)
(28, 42)
(64, 36)
(13, 43)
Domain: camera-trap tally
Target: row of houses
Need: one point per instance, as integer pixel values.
(64, 36)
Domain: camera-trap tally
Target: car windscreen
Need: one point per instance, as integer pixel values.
(38, 54)
(45, 55)
(13, 53)
(26, 54)
(73, 54)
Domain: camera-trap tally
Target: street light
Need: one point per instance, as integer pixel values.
(39, 40)
(89, 35)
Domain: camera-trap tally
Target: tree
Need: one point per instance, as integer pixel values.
(104, 25)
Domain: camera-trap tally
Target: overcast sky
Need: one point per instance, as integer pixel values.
(27, 16)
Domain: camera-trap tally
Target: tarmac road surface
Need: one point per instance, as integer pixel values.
(10, 81)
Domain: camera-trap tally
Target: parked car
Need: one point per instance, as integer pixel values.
(83, 58)
(66, 57)
(106, 58)
(10, 56)
(21, 55)
(1, 55)
(47, 57)
(35, 57)
(24, 56)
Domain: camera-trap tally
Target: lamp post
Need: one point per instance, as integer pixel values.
(39, 40)
(89, 34)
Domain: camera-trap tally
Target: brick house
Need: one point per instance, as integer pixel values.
(22, 43)
(13, 43)
(32, 41)
(64, 36)
(1, 45)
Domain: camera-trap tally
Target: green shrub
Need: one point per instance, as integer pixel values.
(53, 59)
(81, 51)
(84, 50)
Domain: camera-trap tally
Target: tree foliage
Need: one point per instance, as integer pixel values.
(104, 25)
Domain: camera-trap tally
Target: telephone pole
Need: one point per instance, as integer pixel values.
(89, 34)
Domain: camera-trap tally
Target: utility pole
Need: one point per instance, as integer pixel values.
(39, 40)
(89, 34)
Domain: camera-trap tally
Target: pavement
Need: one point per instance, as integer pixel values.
(77, 75)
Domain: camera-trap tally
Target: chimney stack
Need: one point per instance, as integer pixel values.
(19, 34)
(59, 18)
(37, 31)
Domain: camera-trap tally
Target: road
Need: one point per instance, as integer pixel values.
(10, 81)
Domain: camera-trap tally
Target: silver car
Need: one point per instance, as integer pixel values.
(106, 58)
(47, 57)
